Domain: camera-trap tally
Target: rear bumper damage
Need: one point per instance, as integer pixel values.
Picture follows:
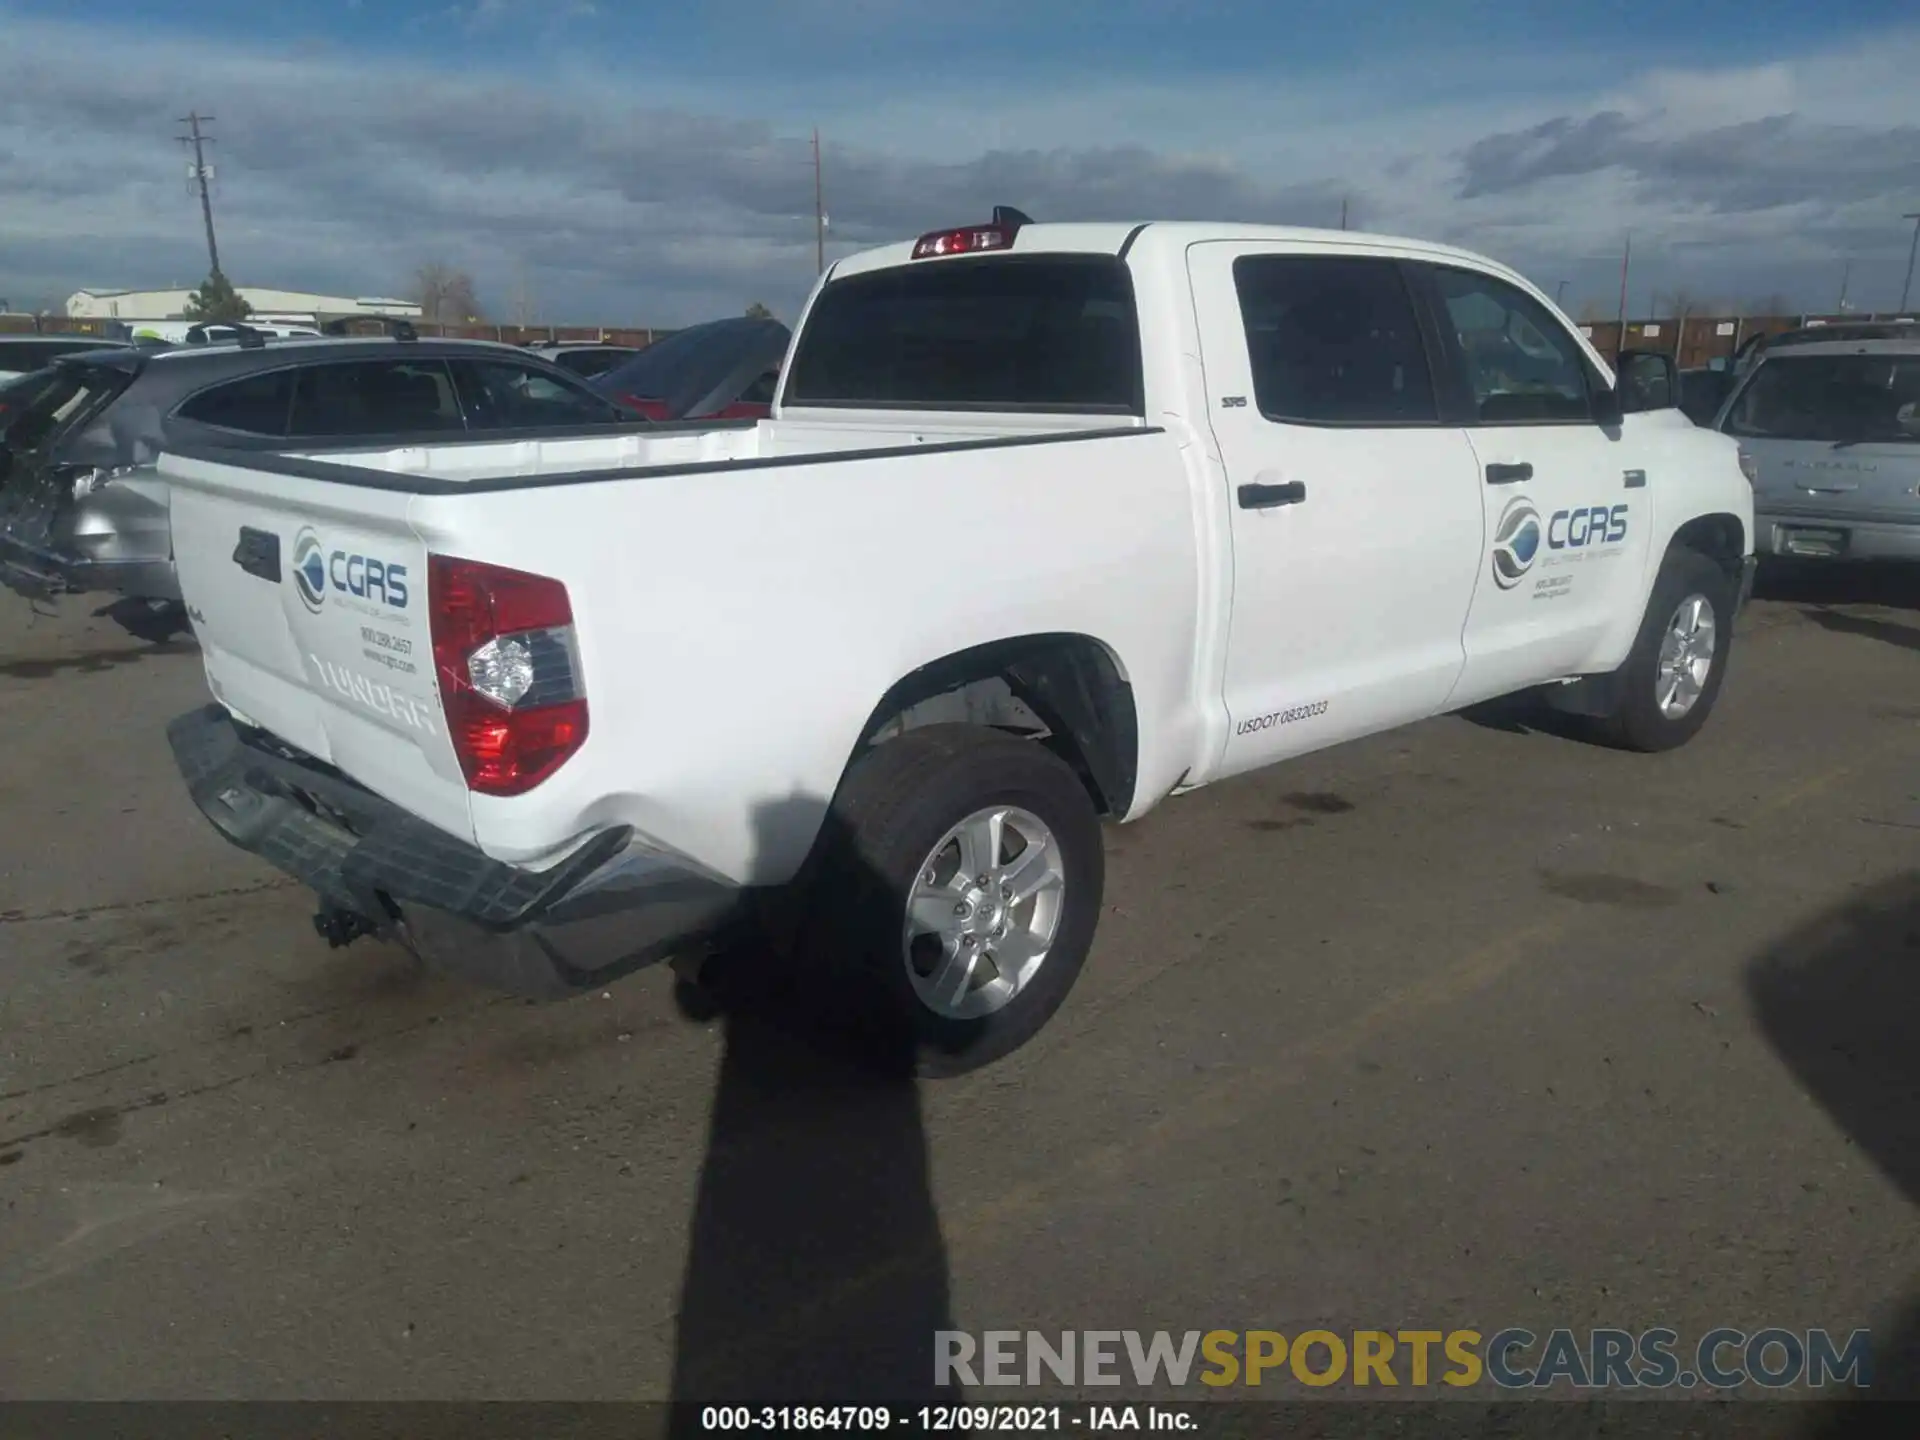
(113, 540)
(611, 907)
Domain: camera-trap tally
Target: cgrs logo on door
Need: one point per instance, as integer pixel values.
(1516, 541)
(1517, 536)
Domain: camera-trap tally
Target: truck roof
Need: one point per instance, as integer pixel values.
(1117, 238)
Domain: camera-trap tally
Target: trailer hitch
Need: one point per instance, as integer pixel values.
(340, 927)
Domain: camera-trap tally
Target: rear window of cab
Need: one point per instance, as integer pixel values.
(1044, 333)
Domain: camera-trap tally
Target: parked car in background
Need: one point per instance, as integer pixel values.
(584, 358)
(1051, 522)
(1703, 390)
(23, 354)
(81, 508)
(1832, 430)
(722, 370)
(1754, 347)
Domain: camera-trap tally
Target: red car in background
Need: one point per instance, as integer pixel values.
(722, 370)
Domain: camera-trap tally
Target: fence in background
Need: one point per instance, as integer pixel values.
(1695, 341)
(1698, 340)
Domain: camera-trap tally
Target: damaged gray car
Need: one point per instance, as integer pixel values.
(83, 510)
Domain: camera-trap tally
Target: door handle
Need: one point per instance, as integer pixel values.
(1636, 480)
(1265, 497)
(1498, 474)
(258, 553)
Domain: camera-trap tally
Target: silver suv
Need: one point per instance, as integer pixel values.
(1832, 435)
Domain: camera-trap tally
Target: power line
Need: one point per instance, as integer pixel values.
(201, 174)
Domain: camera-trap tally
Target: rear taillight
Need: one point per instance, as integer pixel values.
(509, 669)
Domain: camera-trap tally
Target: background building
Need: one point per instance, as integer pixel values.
(291, 306)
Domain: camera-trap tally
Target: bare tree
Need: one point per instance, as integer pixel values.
(445, 295)
(1770, 306)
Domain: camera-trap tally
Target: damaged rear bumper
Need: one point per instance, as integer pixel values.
(610, 907)
(115, 539)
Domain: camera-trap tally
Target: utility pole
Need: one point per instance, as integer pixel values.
(1625, 257)
(193, 121)
(1559, 291)
(1343, 212)
(1912, 250)
(1846, 275)
(819, 211)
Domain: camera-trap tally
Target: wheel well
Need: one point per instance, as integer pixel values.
(1067, 692)
(1719, 537)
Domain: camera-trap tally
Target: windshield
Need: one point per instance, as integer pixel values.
(1842, 399)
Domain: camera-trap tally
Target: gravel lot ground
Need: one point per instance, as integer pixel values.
(1470, 1025)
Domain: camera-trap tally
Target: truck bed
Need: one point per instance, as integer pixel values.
(459, 465)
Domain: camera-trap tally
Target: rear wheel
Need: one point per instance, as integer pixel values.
(1671, 679)
(959, 890)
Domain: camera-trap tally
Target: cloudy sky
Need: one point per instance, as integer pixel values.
(636, 163)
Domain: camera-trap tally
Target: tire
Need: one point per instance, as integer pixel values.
(1638, 720)
(895, 806)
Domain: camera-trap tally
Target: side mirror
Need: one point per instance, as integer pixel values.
(1647, 380)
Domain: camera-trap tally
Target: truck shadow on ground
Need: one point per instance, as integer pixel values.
(1891, 632)
(154, 621)
(1527, 713)
(1810, 582)
(1837, 1000)
(815, 1267)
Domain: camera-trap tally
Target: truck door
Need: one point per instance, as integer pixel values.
(1356, 513)
(1568, 508)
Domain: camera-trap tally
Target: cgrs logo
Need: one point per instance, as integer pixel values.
(310, 570)
(361, 576)
(1516, 541)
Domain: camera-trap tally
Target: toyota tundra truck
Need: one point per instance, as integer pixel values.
(1050, 522)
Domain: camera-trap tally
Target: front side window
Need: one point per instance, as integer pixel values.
(505, 395)
(375, 397)
(1522, 365)
(256, 405)
(1333, 341)
(1842, 399)
(1040, 332)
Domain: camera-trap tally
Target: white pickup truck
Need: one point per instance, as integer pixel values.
(1050, 522)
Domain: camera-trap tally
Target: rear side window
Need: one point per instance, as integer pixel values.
(375, 397)
(1045, 332)
(256, 405)
(502, 395)
(1333, 341)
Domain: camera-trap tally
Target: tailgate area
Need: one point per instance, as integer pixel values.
(309, 601)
